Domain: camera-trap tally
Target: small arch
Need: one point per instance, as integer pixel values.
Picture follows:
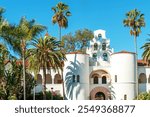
(142, 78)
(104, 80)
(103, 46)
(105, 57)
(48, 79)
(39, 79)
(95, 74)
(57, 79)
(78, 78)
(99, 96)
(95, 55)
(95, 46)
(105, 91)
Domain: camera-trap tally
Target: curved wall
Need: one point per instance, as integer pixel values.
(76, 64)
(123, 74)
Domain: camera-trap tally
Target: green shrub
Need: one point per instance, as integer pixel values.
(144, 96)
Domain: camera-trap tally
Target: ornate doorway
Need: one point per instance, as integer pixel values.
(100, 93)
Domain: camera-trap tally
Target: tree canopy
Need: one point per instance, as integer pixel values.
(77, 42)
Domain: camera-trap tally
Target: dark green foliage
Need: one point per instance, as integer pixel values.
(11, 82)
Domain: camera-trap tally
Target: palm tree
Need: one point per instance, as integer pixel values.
(23, 33)
(46, 54)
(5, 27)
(61, 12)
(135, 21)
(146, 53)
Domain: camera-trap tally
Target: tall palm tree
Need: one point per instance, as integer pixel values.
(46, 54)
(135, 21)
(61, 12)
(23, 33)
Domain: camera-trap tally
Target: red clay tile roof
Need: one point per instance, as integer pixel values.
(17, 62)
(142, 63)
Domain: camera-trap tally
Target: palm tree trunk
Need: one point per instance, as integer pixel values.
(44, 83)
(23, 62)
(59, 33)
(63, 85)
(136, 66)
(34, 90)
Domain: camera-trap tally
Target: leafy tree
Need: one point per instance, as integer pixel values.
(61, 12)
(69, 43)
(46, 54)
(79, 41)
(84, 36)
(11, 84)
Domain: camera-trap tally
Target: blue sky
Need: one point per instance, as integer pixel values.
(91, 14)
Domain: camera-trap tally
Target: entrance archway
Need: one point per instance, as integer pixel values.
(100, 93)
(99, 96)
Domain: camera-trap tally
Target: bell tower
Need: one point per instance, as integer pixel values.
(99, 49)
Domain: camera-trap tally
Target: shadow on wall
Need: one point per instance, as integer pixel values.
(112, 92)
(73, 87)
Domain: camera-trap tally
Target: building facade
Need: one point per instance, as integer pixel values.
(100, 74)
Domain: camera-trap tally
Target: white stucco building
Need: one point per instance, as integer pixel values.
(99, 74)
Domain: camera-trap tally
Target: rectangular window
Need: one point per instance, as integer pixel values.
(125, 97)
(104, 80)
(78, 78)
(115, 78)
(73, 78)
(95, 80)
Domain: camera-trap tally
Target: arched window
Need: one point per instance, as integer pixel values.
(57, 79)
(103, 46)
(104, 80)
(105, 57)
(48, 79)
(73, 78)
(142, 78)
(94, 55)
(95, 80)
(78, 78)
(39, 79)
(95, 46)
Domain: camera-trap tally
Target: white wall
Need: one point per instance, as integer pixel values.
(144, 87)
(123, 65)
(76, 64)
